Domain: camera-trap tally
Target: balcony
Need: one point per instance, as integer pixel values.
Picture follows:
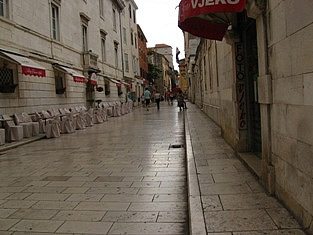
(90, 61)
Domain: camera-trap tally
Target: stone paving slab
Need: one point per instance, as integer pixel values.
(119, 177)
(231, 199)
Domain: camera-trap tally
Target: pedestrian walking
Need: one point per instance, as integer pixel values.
(147, 98)
(172, 98)
(168, 97)
(180, 100)
(157, 97)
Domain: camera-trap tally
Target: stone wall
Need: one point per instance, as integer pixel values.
(215, 60)
(290, 30)
(287, 63)
(27, 31)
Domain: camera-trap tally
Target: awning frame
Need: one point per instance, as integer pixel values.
(29, 66)
(77, 77)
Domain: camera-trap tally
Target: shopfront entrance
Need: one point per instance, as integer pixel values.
(248, 38)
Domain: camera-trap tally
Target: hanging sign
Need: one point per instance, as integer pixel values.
(208, 18)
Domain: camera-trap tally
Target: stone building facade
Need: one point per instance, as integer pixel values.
(143, 56)
(130, 50)
(256, 85)
(165, 50)
(78, 45)
(183, 85)
(164, 82)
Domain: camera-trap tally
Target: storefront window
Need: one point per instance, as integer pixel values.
(59, 82)
(4, 8)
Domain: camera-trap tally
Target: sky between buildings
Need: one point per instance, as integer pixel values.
(159, 22)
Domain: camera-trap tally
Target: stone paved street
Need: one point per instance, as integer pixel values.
(122, 177)
(232, 201)
(119, 177)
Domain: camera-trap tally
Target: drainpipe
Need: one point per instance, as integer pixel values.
(122, 54)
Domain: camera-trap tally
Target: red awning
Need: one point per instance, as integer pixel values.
(79, 79)
(29, 67)
(117, 83)
(208, 18)
(77, 76)
(92, 82)
(93, 79)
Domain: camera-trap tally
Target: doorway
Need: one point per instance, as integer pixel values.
(249, 38)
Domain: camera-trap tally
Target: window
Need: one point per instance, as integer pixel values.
(7, 74)
(130, 11)
(106, 87)
(132, 37)
(116, 54)
(135, 41)
(101, 8)
(135, 65)
(55, 22)
(4, 8)
(134, 14)
(59, 82)
(119, 91)
(126, 62)
(114, 20)
(85, 37)
(124, 36)
(103, 46)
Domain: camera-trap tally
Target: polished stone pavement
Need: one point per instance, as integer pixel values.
(119, 177)
(232, 201)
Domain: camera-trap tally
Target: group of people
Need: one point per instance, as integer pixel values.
(146, 99)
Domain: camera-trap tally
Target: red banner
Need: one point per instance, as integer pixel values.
(33, 71)
(118, 84)
(207, 27)
(92, 82)
(79, 79)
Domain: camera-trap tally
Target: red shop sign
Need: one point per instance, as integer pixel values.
(33, 71)
(92, 82)
(79, 79)
(207, 18)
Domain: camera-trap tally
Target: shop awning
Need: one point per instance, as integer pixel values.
(93, 80)
(110, 79)
(29, 67)
(208, 18)
(77, 77)
(126, 84)
(117, 83)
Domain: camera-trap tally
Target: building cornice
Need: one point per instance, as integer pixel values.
(119, 3)
(134, 4)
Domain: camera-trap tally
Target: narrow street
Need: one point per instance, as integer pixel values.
(119, 177)
(123, 177)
